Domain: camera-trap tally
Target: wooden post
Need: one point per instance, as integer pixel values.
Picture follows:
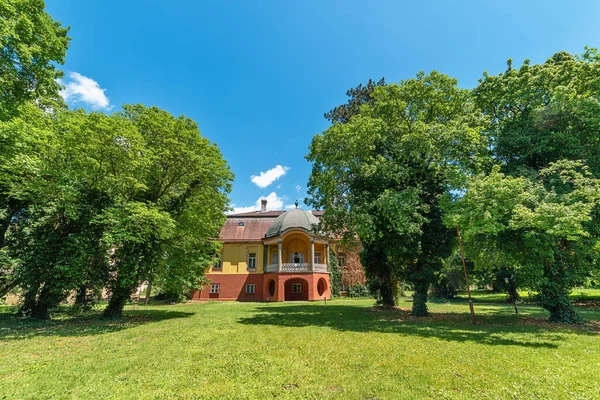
(462, 256)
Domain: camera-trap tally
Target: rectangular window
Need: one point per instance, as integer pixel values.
(297, 258)
(341, 259)
(250, 288)
(214, 288)
(296, 288)
(251, 260)
(217, 265)
(317, 257)
(274, 258)
(345, 288)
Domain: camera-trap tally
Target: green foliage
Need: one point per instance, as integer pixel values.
(108, 201)
(359, 290)
(536, 227)
(91, 200)
(357, 97)
(540, 222)
(449, 278)
(544, 112)
(172, 218)
(381, 174)
(32, 42)
(335, 275)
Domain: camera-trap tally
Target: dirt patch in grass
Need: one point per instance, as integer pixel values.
(587, 304)
(399, 314)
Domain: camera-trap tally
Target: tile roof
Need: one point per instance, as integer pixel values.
(255, 225)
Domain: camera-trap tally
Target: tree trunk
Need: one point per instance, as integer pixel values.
(29, 299)
(558, 303)
(554, 294)
(513, 292)
(81, 297)
(117, 302)
(387, 288)
(43, 304)
(148, 290)
(419, 308)
(8, 286)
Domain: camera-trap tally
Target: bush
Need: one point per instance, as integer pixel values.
(358, 290)
(171, 296)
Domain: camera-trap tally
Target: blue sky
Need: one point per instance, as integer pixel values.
(257, 76)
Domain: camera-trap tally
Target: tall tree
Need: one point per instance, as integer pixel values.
(539, 227)
(32, 42)
(357, 97)
(171, 220)
(540, 115)
(23, 142)
(87, 164)
(382, 173)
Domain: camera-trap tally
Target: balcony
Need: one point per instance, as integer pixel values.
(296, 267)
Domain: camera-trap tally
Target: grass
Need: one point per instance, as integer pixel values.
(344, 349)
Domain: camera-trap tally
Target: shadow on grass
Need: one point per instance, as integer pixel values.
(92, 323)
(495, 329)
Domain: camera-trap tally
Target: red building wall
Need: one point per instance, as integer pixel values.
(315, 286)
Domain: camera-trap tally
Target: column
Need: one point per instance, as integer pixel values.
(326, 259)
(312, 254)
(279, 249)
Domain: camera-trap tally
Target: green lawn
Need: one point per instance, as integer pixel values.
(343, 349)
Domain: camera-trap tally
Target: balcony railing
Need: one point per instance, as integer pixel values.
(271, 268)
(296, 267)
(320, 267)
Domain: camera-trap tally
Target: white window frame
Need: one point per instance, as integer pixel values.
(300, 258)
(317, 257)
(251, 260)
(250, 288)
(341, 259)
(215, 288)
(296, 288)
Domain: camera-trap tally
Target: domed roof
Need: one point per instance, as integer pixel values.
(295, 218)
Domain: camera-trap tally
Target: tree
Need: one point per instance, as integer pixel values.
(31, 43)
(539, 115)
(87, 162)
(335, 275)
(382, 173)
(543, 113)
(24, 141)
(170, 222)
(357, 97)
(539, 227)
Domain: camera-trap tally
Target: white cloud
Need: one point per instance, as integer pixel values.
(81, 89)
(266, 178)
(290, 206)
(274, 202)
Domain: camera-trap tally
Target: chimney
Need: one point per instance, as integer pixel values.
(263, 205)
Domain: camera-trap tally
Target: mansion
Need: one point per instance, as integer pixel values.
(276, 256)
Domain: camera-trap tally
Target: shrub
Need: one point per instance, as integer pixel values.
(358, 290)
